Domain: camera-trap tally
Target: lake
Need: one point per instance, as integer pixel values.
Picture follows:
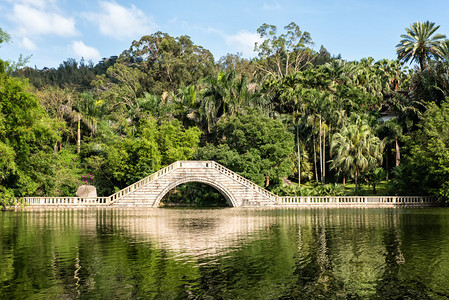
(226, 253)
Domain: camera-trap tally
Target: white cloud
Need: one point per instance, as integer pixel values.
(36, 3)
(82, 50)
(28, 44)
(243, 42)
(120, 22)
(35, 21)
(274, 6)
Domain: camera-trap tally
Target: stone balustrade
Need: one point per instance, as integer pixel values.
(355, 200)
(66, 201)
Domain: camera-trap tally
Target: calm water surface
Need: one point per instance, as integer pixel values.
(225, 254)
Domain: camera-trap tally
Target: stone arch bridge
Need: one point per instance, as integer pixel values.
(237, 190)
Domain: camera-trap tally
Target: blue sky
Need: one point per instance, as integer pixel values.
(54, 30)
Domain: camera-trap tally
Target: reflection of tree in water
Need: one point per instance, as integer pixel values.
(254, 270)
(226, 253)
(394, 282)
(314, 271)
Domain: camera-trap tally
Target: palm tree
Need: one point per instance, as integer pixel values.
(216, 96)
(365, 75)
(185, 104)
(336, 71)
(319, 106)
(89, 112)
(393, 132)
(420, 44)
(296, 122)
(225, 94)
(356, 150)
(445, 50)
(393, 73)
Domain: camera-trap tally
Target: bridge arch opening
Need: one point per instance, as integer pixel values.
(228, 197)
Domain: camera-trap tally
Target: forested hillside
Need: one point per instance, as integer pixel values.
(293, 120)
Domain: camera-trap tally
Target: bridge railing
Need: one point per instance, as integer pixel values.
(354, 200)
(65, 201)
(323, 200)
(144, 181)
(243, 180)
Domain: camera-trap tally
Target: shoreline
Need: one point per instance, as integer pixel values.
(301, 206)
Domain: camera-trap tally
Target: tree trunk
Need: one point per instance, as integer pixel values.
(398, 153)
(422, 61)
(324, 157)
(355, 178)
(321, 156)
(299, 157)
(267, 180)
(79, 135)
(314, 158)
(344, 181)
(386, 162)
(279, 67)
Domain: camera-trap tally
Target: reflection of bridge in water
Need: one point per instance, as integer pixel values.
(193, 232)
(197, 232)
(237, 190)
(205, 232)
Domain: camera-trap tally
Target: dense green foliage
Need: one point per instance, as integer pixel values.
(253, 145)
(69, 72)
(194, 194)
(27, 137)
(168, 62)
(425, 168)
(291, 116)
(121, 161)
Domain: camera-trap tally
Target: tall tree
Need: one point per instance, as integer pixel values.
(239, 64)
(356, 150)
(392, 131)
(89, 112)
(285, 54)
(425, 165)
(169, 62)
(120, 86)
(225, 94)
(319, 107)
(420, 44)
(394, 75)
(431, 84)
(445, 50)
